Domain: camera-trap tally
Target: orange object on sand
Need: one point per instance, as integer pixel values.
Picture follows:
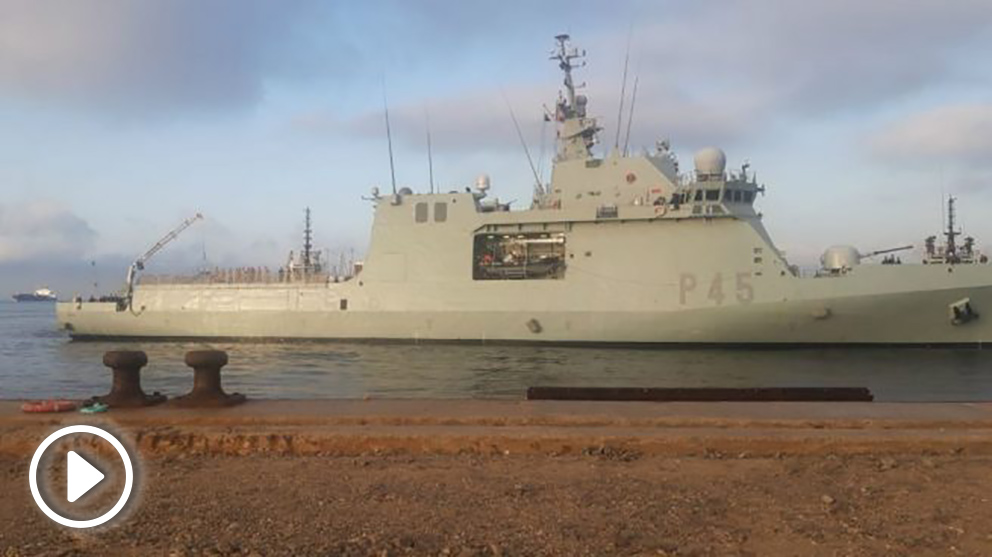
(51, 405)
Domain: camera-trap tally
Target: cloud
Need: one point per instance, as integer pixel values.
(955, 135)
(158, 54)
(711, 73)
(816, 56)
(953, 141)
(480, 120)
(42, 230)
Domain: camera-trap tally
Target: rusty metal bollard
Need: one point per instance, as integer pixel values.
(207, 392)
(126, 390)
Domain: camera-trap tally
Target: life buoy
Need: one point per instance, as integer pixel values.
(631, 177)
(660, 207)
(47, 406)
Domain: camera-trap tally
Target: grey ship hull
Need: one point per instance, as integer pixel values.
(915, 317)
(619, 249)
(33, 298)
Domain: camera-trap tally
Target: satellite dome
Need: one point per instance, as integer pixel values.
(406, 191)
(482, 182)
(710, 161)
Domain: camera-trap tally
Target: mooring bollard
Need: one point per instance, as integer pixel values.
(207, 392)
(126, 389)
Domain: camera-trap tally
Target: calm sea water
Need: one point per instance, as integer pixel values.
(38, 361)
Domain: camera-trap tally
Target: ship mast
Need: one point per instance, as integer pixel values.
(952, 233)
(577, 133)
(307, 242)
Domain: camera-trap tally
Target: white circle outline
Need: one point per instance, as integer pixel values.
(33, 476)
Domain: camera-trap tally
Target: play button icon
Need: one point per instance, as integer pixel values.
(81, 477)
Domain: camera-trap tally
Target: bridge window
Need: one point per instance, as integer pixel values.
(699, 195)
(748, 196)
(420, 212)
(440, 212)
(522, 256)
(712, 195)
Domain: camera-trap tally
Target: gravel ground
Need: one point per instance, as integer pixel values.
(603, 502)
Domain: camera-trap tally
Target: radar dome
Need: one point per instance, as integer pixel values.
(406, 191)
(482, 182)
(710, 161)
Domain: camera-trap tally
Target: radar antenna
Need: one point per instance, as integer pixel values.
(564, 55)
(577, 132)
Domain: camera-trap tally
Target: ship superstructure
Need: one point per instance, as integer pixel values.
(622, 248)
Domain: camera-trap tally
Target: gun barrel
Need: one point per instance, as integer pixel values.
(890, 250)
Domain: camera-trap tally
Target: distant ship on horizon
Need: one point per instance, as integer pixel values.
(40, 295)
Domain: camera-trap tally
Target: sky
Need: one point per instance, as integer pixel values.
(119, 119)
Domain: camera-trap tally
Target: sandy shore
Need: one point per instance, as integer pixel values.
(400, 477)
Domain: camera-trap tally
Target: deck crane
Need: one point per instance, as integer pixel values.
(139, 263)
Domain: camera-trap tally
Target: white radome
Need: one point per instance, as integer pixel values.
(710, 161)
(482, 182)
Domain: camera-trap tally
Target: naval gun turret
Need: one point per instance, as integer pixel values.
(841, 259)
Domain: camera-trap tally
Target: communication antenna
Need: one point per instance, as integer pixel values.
(943, 217)
(96, 278)
(389, 136)
(542, 152)
(630, 117)
(307, 240)
(623, 88)
(520, 135)
(430, 159)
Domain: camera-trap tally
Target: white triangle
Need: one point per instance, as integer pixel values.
(81, 476)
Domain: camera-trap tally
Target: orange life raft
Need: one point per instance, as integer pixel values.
(45, 406)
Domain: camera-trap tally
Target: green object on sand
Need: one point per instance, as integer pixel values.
(95, 408)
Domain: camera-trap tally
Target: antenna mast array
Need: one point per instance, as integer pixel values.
(576, 132)
(430, 158)
(307, 241)
(623, 89)
(952, 232)
(564, 56)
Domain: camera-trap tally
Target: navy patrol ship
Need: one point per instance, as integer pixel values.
(616, 249)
